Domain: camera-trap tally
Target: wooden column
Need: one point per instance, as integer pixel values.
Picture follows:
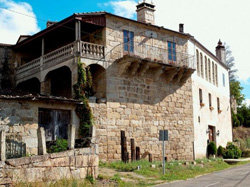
(124, 151)
(133, 155)
(150, 159)
(138, 153)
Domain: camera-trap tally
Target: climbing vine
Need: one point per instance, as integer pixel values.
(83, 89)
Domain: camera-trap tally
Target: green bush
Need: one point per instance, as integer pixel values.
(221, 151)
(248, 143)
(246, 153)
(232, 151)
(211, 149)
(61, 145)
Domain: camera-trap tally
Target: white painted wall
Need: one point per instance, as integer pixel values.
(221, 121)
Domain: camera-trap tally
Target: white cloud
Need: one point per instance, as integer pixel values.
(247, 102)
(125, 8)
(13, 24)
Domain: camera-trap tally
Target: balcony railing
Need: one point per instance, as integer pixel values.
(155, 54)
(87, 50)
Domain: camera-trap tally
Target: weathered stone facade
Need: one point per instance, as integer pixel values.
(77, 164)
(19, 119)
(142, 106)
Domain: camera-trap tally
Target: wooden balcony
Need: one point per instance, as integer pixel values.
(82, 49)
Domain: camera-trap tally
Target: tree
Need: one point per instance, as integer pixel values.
(230, 61)
(236, 92)
(243, 115)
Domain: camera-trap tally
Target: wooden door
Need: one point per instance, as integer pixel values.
(211, 134)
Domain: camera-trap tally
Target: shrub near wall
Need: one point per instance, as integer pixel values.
(232, 151)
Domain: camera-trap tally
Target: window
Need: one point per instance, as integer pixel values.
(218, 104)
(223, 79)
(128, 37)
(210, 100)
(216, 75)
(213, 77)
(172, 51)
(206, 68)
(198, 62)
(200, 96)
(209, 70)
(201, 62)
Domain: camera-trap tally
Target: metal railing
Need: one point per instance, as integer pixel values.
(155, 54)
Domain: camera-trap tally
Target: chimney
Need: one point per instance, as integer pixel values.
(145, 12)
(50, 23)
(221, 52)
(181, 27)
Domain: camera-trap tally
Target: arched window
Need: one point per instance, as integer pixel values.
(213, 75)
(206, 68)
(198, 63)
(201, 63)
(216, 75)
(209, 70)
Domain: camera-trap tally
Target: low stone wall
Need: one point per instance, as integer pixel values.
(77, 163)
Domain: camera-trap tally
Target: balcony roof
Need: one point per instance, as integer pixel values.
(95, 18)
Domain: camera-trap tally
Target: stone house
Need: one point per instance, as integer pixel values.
(142, 79)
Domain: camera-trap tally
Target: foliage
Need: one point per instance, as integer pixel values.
(61, 145)
(232, 151)
(235, 90)
(91, 179)
(246, 153)
(235, 120)
(221, 151)
(211, 149)
(230, 64)
(243, 115)
(82, 90)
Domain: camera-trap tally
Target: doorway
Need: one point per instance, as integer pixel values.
(54, 122)
(211, 133)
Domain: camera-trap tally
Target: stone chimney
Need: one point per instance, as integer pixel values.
(221, 52)
(145, 12)
(181, 27)
(50, 23)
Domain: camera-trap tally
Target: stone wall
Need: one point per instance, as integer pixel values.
(77, 164)
(141, 106)
(19, 119)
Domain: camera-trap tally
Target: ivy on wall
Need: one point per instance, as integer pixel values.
(83, 89)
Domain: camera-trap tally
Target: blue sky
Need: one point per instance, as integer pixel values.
(208, 21)
(55, 10)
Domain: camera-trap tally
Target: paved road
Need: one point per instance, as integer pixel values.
(236, 177)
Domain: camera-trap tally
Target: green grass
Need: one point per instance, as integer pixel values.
(175, 170)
